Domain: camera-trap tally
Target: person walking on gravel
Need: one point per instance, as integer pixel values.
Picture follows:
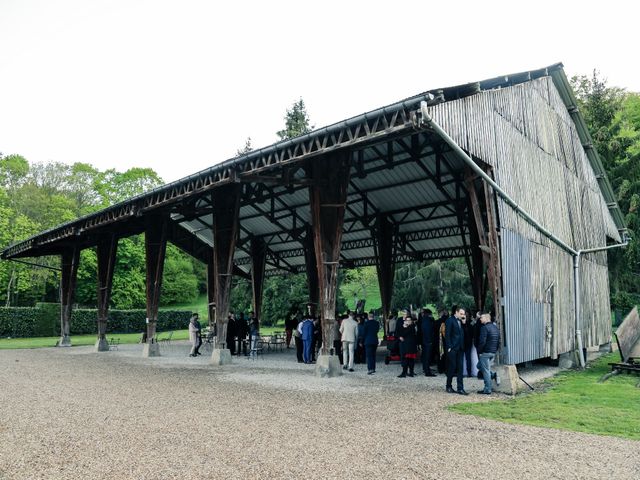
(454, 341)
(194, 335)
(488, 344)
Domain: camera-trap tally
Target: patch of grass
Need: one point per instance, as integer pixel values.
(83, 340)
(573, 400)
(198, 305)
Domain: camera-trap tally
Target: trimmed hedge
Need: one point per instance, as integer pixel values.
(43, 320)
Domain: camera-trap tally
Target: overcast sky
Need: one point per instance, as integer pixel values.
(178, 86)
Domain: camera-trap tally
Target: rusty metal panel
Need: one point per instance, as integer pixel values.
(523, 317)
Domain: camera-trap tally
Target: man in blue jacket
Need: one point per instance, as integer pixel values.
(371, 328)
(306, 332)
(488, 345)
(454, 339)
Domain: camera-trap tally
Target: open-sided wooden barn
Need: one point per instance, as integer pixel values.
(501, 172)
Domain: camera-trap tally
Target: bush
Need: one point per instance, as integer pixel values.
(44, 321)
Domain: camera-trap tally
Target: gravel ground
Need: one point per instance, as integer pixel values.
(73, 413)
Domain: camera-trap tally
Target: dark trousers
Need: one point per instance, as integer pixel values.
(454, 368)
(288, 332)
(298, 341)
(307, 346)
(467, 357)
(371, 357)
(407, 363)
(337, 349)
(426, 358)
(231, 345)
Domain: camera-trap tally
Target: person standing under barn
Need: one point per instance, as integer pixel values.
(254, 333)
(439, 326)
(454, 341)
(231, 334)
(360, 350)
(488, 344)
(306, 333)
(194, 335)
(337, 339)
(406, 334)
(467, 329)
(349, 335)
(297, 338)
(290, 323)
(371, 329)
(427, 330)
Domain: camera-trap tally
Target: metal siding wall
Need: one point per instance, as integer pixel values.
(524, 317)
(527, 135)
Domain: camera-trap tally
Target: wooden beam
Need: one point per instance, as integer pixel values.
(211, 292)
(327, 214)
(106, 259)
(226, 202)
(155, 243)
(69, 275)
(258, 264)
(494, 270)
(386, 266)
(311, 267)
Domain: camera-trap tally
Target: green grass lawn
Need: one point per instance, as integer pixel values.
(573, 400)
(198, 305)
(80, 340)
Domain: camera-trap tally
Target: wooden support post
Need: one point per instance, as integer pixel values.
(258, 264)
(226, 209)
(106, 253)
(311, 268)
(327, 213)
(69, 274)
(385, 264)
(479, 249)
(494, 270)
(211, 291)
(155, 242)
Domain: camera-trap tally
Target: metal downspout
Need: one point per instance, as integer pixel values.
(426, 118)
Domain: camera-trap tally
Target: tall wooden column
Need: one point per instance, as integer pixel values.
(106, 253)
(311, 267)
(155, 242)
(258, 264)
(211, 291)
(328, 196)
(226, 204)
(487, 250)
(69, 274)
(385, 265)
(478, 237)
(494, 268)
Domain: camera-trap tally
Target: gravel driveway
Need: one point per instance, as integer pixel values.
(76, 414)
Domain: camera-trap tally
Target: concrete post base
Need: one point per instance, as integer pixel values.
(102, 345)
(567, 360)
(606, 348)
(220, 356)
(151, 350)
(508, 379)
(65, 341)
(328, 366)
(593, 353)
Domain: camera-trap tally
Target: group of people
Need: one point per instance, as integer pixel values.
(241, 331)
(453, 343)
(449, 342)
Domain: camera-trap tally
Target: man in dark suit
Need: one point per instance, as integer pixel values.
(426, 329)
(454, 339)
(371, 328)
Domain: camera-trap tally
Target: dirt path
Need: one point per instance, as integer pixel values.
(72, 413)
